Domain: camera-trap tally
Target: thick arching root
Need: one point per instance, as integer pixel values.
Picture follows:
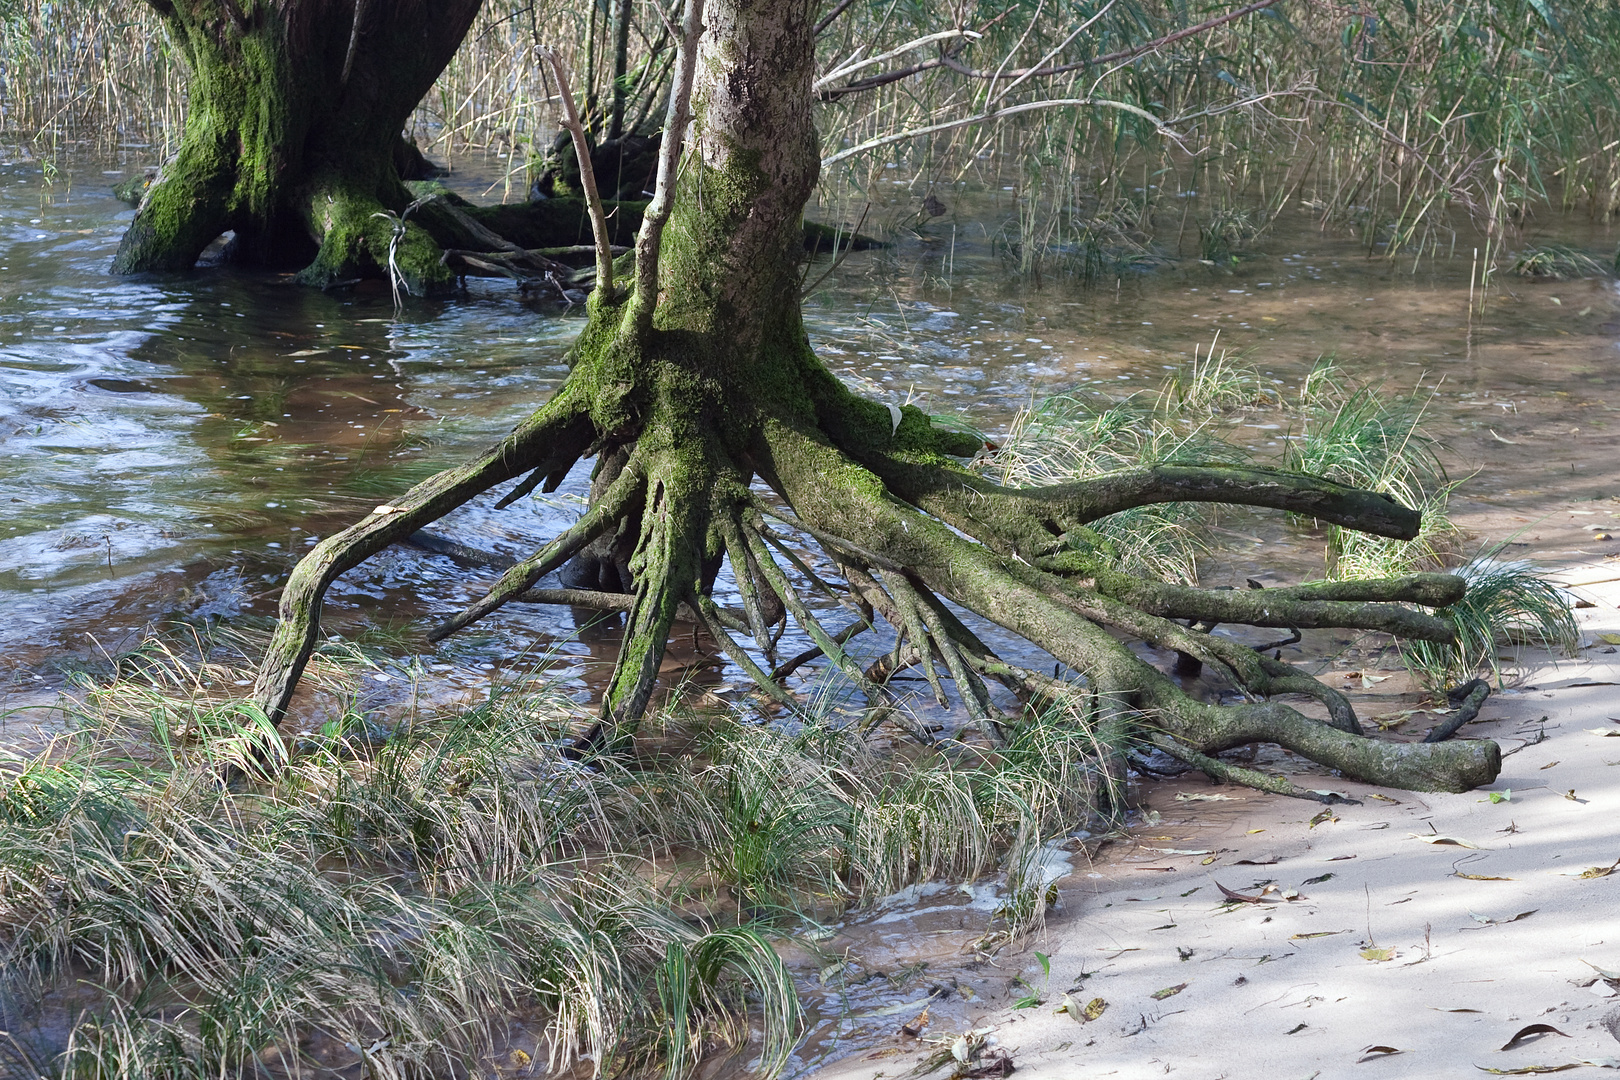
(673, 496)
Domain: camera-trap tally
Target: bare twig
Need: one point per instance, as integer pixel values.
(587, 175)
(669, 156)
(856, 65)
(831, 16)
(994, 114)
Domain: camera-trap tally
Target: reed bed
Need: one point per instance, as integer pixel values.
(1406, 122)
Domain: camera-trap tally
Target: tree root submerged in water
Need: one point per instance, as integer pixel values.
(697, 377)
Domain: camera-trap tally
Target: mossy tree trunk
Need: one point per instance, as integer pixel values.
(294, 117)
(698, 377)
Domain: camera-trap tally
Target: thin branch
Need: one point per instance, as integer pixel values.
(669, 155)
(1082, 28)
(993, 114)
(587, 176)
(1129, 53)
(872, 61)
(948, 60)
(831, 17)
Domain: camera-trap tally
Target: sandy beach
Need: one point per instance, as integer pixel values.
(1438, 926)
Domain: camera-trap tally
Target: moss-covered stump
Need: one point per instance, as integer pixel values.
(695, 376)
(291, 136)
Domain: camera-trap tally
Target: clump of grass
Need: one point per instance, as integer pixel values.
(401, 890)
(1556, 262)
(1216, 383)
(1368, 437)
(1227, 232)
(1508, 602)
(1073, 436)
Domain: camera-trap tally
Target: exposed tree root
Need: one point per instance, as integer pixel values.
(699, 379)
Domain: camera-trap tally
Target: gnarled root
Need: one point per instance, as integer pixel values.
(671, 500)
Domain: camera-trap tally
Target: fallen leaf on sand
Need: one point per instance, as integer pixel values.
(1529, 1032)
(1455, 1010)
(1201, 796)
(1341, 858)
(1479, 877)
(1240, 898)
(1317, 880)
(1547, 766)
(1484, 920)
(1372, 1053)
(1168, 992)
(915, 1028)
(1094, 1008)
(1609, 639)
(1383, 798)
(1179, 851)
(1592, 871)
(1377, 955)
(1264, 860)
(1326, 815)
(1071, 1005)
(1530, 1069)
(1436, 838)
(1317, 934)
(1605, 972)
(1604, 732)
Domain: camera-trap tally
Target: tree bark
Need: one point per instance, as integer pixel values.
(292, 127)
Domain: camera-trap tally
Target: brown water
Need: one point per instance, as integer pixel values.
(169, 446)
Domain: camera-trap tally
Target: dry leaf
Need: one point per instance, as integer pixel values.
(1180, 851)
(1436, 838)
(1607, 974)
(1072, 1006)
(1326, 815)
(1373, 1053)
(1592, 871)
(1200, 796)
(1168, 992)
(1605, 732)
(915, 1028)
(1317, 934)
(1264, 860)
(1317, 880)
(1383, 798)
(1479, 877)
(1240, 898)
(1377, 955)
(1527, 1032)
(1094, 1008)
(1609, 639)
(1484, 921)
(1547, 766)
(1530, 1069)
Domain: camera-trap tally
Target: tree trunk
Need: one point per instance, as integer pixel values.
(293, 122)
(700, 376)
